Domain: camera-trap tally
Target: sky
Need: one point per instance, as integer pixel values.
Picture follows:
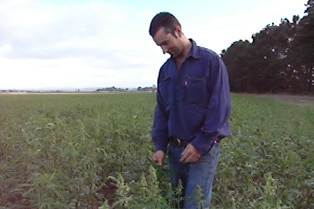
(78, 44)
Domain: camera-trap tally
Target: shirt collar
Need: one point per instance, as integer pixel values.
(194, 52)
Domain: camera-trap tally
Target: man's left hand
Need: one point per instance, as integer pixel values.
(190, 154)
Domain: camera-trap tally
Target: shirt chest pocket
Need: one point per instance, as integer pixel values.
(195, 89)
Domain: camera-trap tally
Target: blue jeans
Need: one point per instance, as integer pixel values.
(196, 178)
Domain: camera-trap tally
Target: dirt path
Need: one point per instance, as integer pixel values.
(302, 101)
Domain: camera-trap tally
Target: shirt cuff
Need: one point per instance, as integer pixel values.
(203, 143)
(161, 144)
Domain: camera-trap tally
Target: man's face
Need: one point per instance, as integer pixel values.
(169, 43)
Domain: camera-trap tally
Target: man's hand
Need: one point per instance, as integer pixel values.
(159, 158)
(190, 154)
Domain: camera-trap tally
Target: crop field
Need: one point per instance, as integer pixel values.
(80, 151)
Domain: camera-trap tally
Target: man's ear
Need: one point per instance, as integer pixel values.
(178, 31)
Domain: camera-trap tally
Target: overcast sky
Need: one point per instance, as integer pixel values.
(102, 43)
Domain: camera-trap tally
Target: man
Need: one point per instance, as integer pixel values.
(192, 111)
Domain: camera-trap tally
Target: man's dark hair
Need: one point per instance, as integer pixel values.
(166, 20)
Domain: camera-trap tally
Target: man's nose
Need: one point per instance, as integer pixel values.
(164, 50)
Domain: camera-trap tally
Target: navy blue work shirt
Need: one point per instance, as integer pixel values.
(193, 102)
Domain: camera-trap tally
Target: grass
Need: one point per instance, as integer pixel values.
(94, 151)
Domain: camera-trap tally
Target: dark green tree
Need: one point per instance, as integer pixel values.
(259, 66)
(279, 59)
(237, 59)
(301, 53)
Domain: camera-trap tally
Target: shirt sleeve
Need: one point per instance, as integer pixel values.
(160, 125)
(219, 108)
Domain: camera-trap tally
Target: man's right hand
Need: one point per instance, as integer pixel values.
(159, 158)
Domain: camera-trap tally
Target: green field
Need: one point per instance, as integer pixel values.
(94, 151)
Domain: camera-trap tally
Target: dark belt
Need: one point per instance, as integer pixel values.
(182, 143)
(178, 142)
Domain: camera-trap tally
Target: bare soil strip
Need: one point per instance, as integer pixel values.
(299, 100)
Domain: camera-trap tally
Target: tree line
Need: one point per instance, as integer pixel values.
(280, 58)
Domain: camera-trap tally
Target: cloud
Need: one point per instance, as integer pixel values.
(32, 29)
(54, 43)
(220, 30)
(81, 44)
